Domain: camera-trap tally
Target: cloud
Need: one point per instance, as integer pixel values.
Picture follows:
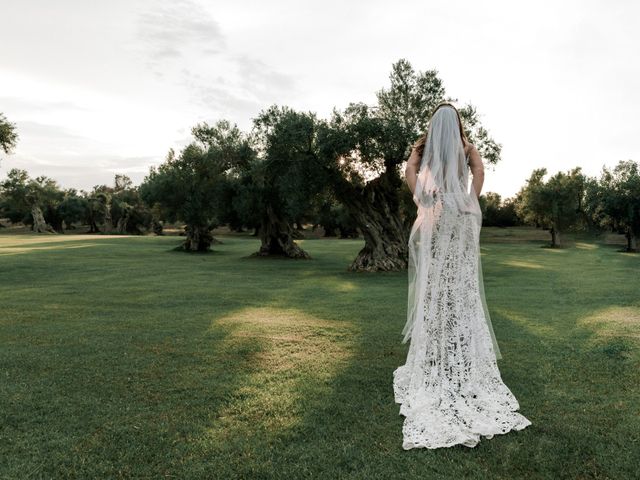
(222, 99)
(248, 86)
(219, 97)
(257, 77)
(184, 45)
(174, 29)
(46, 134)
(25, 105)
(78, 169)
(57, 149)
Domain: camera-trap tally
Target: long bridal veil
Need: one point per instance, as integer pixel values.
(442, 184)
(449, 389)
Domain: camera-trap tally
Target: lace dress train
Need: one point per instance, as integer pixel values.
(450, 389)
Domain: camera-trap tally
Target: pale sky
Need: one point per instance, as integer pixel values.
(104, 87)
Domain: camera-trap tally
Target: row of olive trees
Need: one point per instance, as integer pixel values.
(570, 200)
(294, 167)
(41, 203)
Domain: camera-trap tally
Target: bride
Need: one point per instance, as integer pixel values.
(449, 388)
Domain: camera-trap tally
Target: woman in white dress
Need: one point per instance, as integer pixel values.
(449, 388)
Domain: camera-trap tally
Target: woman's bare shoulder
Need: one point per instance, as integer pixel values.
(468, 147)
(473, 158)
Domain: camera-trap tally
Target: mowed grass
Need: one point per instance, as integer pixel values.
(120, 358)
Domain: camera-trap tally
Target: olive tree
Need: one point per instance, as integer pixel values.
(364, 148)
(188, 185)
(25, 199)
(8, 135)
(616, 200)
(556, 204)
(287, 177)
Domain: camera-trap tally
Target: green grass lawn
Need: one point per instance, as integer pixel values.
(120, 358)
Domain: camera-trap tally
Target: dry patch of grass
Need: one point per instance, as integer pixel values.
(585, 246)
(522, 264)
(290, 359)
(289, 338)
(614, 322)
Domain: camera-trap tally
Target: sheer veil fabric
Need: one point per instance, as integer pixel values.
(450, 389)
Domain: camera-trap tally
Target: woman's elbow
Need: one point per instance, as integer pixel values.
(409, 170)
(478, 173)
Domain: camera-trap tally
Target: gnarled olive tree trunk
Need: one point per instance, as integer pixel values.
(277, 235)
(555, 237)
(108, 220)
(199, 238)
(39, 223)
(385, 236)
(376, 213)
(121, 226)
(158, 227)
(632, 241)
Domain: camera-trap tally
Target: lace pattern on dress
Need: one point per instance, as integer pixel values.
(450, 388)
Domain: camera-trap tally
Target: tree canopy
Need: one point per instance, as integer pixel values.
(189, 186)
(8, 134)
(364, 147)
(615, 200)
(555, 204)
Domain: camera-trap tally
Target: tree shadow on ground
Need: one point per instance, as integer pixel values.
(195, 367)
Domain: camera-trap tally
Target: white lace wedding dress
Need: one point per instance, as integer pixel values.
(450, 389)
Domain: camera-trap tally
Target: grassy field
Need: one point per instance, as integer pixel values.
(120, 358)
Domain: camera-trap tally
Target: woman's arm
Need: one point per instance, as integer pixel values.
(411, 172)
(477, 169)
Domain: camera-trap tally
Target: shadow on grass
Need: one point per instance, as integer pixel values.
(564, 377)
(217, 367)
